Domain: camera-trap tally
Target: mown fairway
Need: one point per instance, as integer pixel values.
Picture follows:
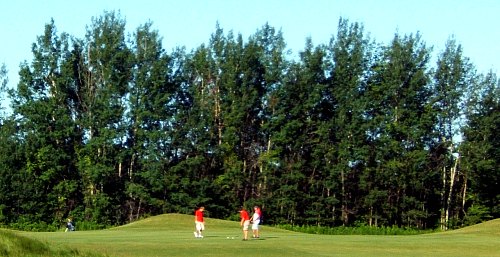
(172, 235)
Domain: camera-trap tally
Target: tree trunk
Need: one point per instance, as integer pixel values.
(370, 220)
(345, 217)
(217, 110)
(443, 220)
(464, 193)
(453, 173)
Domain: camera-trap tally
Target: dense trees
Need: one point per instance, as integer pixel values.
(110, 127)
(478, 192)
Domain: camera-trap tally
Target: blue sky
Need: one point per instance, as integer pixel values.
(189, 23)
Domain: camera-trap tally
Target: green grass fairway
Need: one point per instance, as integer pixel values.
(172, 235)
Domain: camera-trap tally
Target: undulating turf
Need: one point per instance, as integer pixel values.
(172, 235)
(14, 245)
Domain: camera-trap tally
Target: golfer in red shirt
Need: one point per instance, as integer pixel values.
(245, 222)
(198, 222)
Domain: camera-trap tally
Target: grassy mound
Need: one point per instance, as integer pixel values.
(488, 228)
(15, 245)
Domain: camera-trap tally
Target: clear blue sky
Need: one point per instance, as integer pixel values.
(474, 23)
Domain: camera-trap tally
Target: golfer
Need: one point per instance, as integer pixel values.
(70, 226)
(256, 221)
(199, 223)
(245, 222)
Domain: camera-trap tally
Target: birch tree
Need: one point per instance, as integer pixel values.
(453, 75)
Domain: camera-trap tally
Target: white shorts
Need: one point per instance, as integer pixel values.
(200, 226)
(255, 225)
(246, 224)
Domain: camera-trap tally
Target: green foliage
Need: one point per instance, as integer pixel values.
(110, 128)
(30, 223)
(84, 225)
(476, 214)
(480, 150)
(355, 230)
(3, 86)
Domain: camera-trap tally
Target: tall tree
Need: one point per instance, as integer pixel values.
(453, 75)
(349, 58)
(296, 122)
(197, 130)
(272, 57)
(10, 157)
(42, 104)
(105, 71)
(149, 118)
(400, 122)
(480, 152)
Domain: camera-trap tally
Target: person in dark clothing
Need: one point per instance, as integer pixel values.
(70, 226)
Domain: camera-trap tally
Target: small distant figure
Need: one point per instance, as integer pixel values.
(256, 218)
(70, 226)
(199, 222)
(245, 222)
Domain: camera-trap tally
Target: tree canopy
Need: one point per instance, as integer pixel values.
(110, 127)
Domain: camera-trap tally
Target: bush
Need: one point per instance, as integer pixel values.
(25, 225)
(476, 214)
(88, 225)
(359, 230)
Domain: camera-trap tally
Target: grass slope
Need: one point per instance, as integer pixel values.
(15, 245)
(172, 235)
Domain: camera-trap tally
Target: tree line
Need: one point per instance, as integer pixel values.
(111, 127)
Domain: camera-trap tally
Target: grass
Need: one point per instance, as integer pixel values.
(172, 235)
(15, 245)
